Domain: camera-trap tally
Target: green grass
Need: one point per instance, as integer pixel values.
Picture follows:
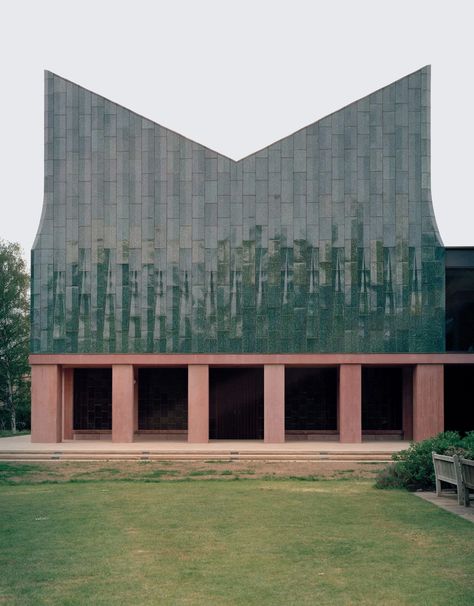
(230, 543)
(19, 471)
(7, 433)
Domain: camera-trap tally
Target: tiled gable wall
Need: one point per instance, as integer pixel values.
(322, 242)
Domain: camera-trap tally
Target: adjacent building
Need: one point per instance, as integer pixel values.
(302, 292)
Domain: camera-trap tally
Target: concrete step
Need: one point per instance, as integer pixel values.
(193, 456)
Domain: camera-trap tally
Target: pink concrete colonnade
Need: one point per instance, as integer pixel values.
(52, 402)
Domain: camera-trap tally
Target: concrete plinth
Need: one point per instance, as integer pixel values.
(46, 400)
(350, 403)
(198, 403)
(428, 400)
(274, 403)
(123, 396)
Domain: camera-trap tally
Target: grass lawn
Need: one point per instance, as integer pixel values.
(8, 433)
(224, 542)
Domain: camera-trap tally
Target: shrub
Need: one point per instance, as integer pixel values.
(390, 477)
(468, 445)
(413, 468)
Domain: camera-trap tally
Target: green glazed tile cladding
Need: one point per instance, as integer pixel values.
(324, 241)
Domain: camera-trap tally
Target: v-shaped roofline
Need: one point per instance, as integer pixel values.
(426, 68)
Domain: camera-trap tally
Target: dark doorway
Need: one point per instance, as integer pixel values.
(382, 399)
(459, 397)
(92, 399)
(162, 399)
(236, 403)
(460, 299)
(310, 400)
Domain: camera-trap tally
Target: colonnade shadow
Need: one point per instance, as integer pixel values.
(236, 403)
(92, 409)
(163, 399)
(310, 402)
(459, 397)
(382, 400)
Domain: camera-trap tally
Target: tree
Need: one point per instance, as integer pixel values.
(14, 336)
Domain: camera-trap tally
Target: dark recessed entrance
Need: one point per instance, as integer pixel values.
(310, 401)
(163, 399)
(92, 406)
(236, 403)
(459, 397)
(382, 399)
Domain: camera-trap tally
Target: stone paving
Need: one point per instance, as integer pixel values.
(449, 503)
(23, 443)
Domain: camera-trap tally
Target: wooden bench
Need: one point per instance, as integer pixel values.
(467, 476)
(448, 469)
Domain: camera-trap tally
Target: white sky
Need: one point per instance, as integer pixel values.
(235, 76)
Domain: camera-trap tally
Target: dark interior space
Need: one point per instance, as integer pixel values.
(382, 398)
(92, 399)
(162, 399)
(460, 299)
(459, 397)
(311, 399)
(236, 403)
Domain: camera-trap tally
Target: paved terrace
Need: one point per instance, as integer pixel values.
(449, 503)
(20, 447)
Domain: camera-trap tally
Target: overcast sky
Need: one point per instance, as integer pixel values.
(235, 76)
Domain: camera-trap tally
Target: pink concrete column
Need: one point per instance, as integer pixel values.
(428, 400)
(68, 403)
(274, 403)
(46, 417)
(135, 400)
(122, 403)
(407, 403)
(350, 403)
(198, 403)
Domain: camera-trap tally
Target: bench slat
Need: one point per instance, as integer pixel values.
(448, 469)
(467, 474)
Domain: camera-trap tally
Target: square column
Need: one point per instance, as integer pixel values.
(122, 403)
(274, 403)
(46, 403)
(68, 403)
(428, 400)
(350, 403)
(407, 403)
(198, 403)
(135, 400)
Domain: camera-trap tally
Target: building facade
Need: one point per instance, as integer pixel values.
(298, 293)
